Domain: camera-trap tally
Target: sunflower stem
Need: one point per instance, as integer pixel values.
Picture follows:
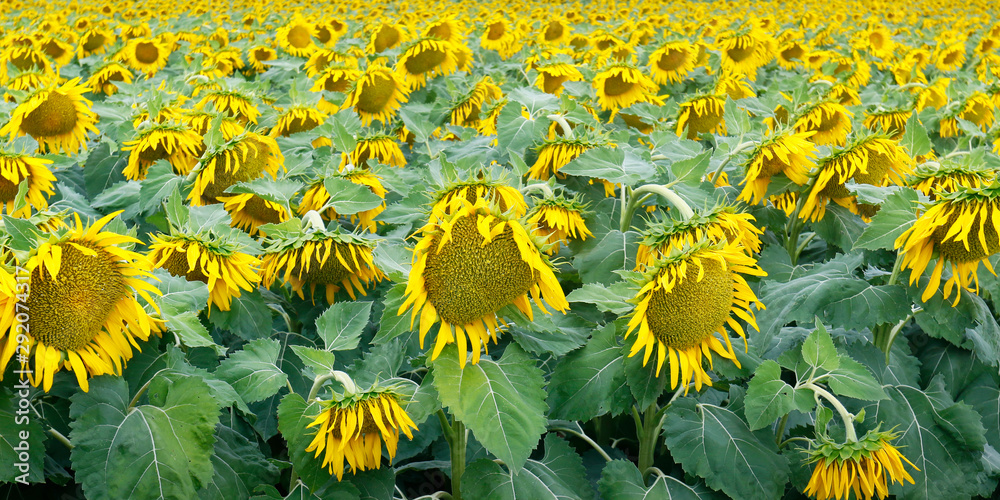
(561, 120)
(648, 434)
(637, 195)
(59, 437)
(795, 224)
(846, 416)
(781, 429)
(142, 390)
(593, 444)
(318, 384)
(457, 446)
(743, 146)
(544, 188)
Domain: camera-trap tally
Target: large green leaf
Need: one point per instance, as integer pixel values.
(896, 216)
(239, 467)
(839, 226)
(618, 165)
(621, 480)
(347, 197)
(501, 401)
(585, 380)
(341, 325)
(969, 324)
(254, 371)
(716, 444)
(160, 450)
(559, 475)
(768, 397)
(611, 299)
(598, 258)
(248, 316)
(22, 437)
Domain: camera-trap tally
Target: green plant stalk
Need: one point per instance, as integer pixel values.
(846, 416)
(795, 224)
(642, 193)
(648, 434)
(743, 146)
(458, 446)
(885, 334)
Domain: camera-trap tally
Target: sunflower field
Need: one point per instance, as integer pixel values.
(442, 250)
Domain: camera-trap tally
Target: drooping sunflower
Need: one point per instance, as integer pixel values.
(685, 302)
(146, 55)
(792, 54)
(735, 86)
(84, 313)
(102, 79)
(555, 31)
(316, 198)
(466, 267)
(863, 467)
(59, 118)
(96, 40)
(552, 76)
(888, 121)
(382, 147)
(745, 50)
(493, 189)
(702, 115)
(620, 85)
(235, 103)
(465, 112)
(843, 95)
(933, 96)
(244, 158)
(556, 153)
(447, 28)
(978, 109)
(336, 78)
(17, 167)
(327, 32)
(353, 428)
(298, 119)
(558, 220)
(499, 37)
(951, 57)
(958, 230)
(321, 258)
(201, 121)
(933, 177)
(250, 211)
(177, 144)
(59, 51)
(830, 121)
(788, 153)
(219, 262)
(323, 58)
(385, 36)
(296, 37)
(258, 56)
(426, 57)
(869, 159)
(26, 81)
(673, 61)
(377, 94)
(719, 224)
(23, 58)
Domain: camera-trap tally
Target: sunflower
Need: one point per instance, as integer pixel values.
(162, 141)
(329, 31)
(447, 29)
(258, 56)
(102, 79)
(951, 57)
(323, 58)
(556, 153)
(295, 38)
(95, 41)
(555, 31)
(354, 427)
(465, 112)
(843, 95)
(328, 259)
(932, 178)
(792, 55)
(933, 95)
(558, 220)
(59, 118)
(497, 36)
(217, 262)
(222, 63)
(864, 467)
(830, 121)
(788, 153)
(958, 229)
(16, 168)
(426, 57)
(385, 36)
(620, 85)
(466, 267)
(201, 121)
(702, 115)
(786, 202)
(918, 58)
(59, 51)
(744, 51)
(672, 62)
(735, 86)
(244, 158)
(146, 55)
(84, 314)
(719, 224)
(978, 109)
(494, 191)
(336, 78)
(23, 58)
(891, 122)
(869, 159)
(382, 147)
(316, 198)
(552, 76)
(878, 41)
(26, 81)
(249, 211)
(377, 94)
(297, 119)
(233, 103)
(684, 304)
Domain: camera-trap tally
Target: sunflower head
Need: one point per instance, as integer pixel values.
(466, 111)
(102, 80)
(316, 257)
(493, 189)
(425, 57)
(249, 211)
(298, 119)
(385, 36)
(889, 121)
(379, 146)
(864, 467)
(788, 153)
(354, 426)
(175, 143)
(684, 303)
(146, 55)
(377, 94)
(468, 265)
(720, 224)
(552, 76)
(231, 102)
(556, 153)
(559, 219)
(296, 37)
(958, 230)
(946, 176)
(702, 115)
(84, 313)
(246, 157)
(17, 167)
(620, 85)
(317, 197)
(830, 121)
(745, 50)
(58, 117)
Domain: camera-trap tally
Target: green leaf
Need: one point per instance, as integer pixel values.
(613, 299)
(818, 350)
(248, 316)
(645, 386)
(239, 467)
(717, 445)
(559, 475)
(691, 170)
(341, 325)
(970, 324)
(159, 450)
(516, 133)
(294, 414)
(853, 380)
(391, 324)
(583, 382)
(597, 260)
(345, 125)
(254, 371)
(319, 361)
(896, 216)
(192, 333)
(159, 183)
(915, 138)
(621, 480)
(22, 438)
(23, 233)
(348, 198)
(768, 397)
(839, 226)
(536, 101)
(616, 165)
(984, 396)
(502, 402)
(279, 191)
